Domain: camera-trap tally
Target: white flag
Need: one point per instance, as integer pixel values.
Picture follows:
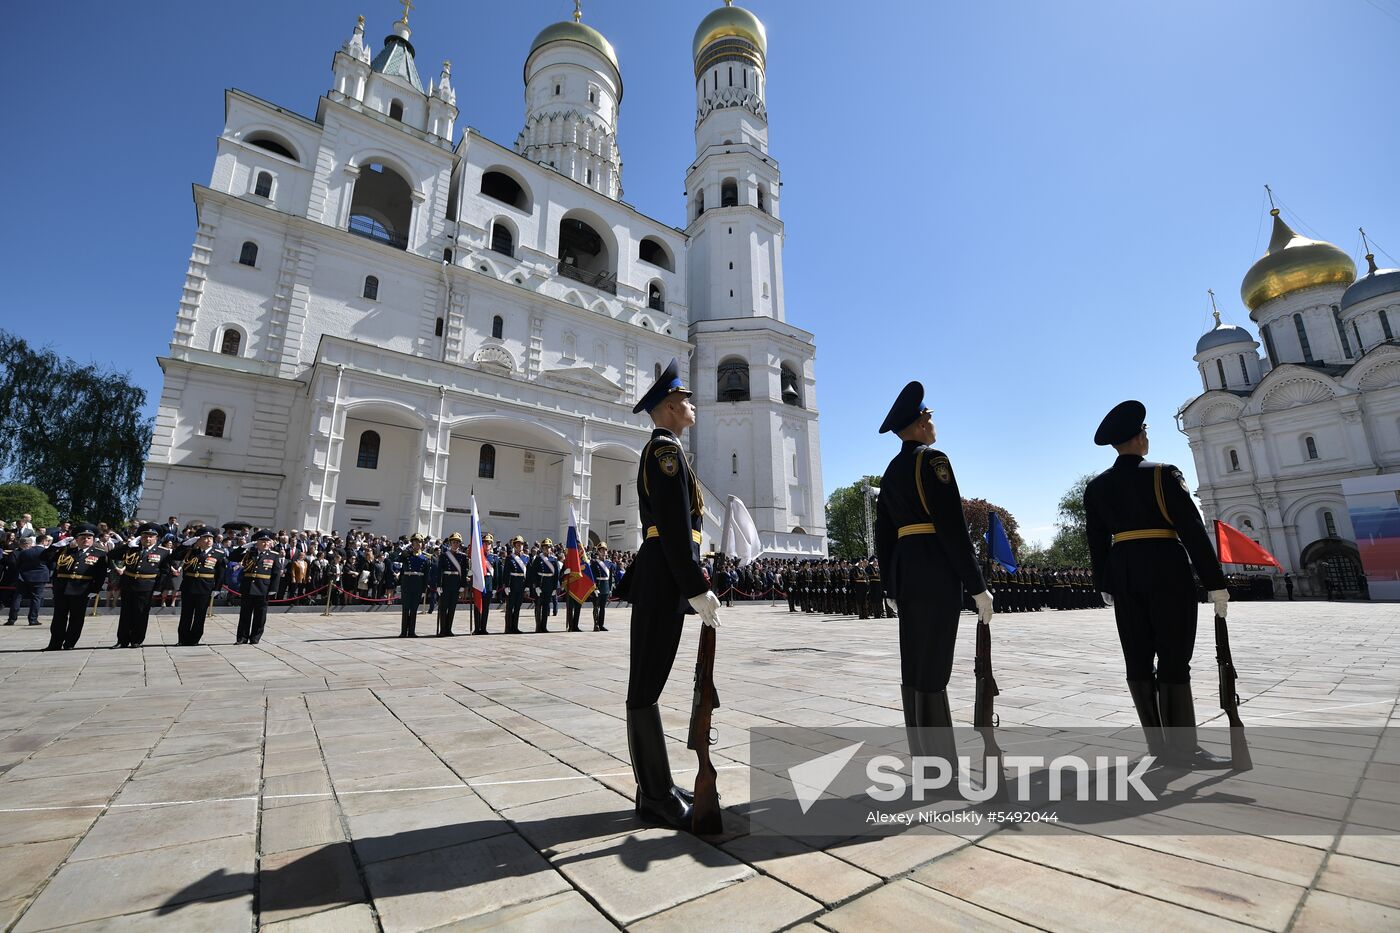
(740, 535)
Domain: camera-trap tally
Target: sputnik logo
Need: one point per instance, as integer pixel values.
(811, 778)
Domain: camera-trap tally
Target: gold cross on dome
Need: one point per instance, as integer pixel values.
(407, 5)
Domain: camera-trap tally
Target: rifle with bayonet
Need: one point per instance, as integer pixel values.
(704, 814)
(1230, 699)
(984, 718)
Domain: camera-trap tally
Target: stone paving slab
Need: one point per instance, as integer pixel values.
(337, 778)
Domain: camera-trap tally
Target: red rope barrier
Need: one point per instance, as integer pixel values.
(278, 602)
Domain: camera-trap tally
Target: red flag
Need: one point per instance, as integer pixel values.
(1236, 547)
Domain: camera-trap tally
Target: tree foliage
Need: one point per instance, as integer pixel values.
(19, 499)
(75, 432)
(978, 512)
(1070, 548)
(845, 522)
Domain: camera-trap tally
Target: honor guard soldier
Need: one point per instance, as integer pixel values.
(860, 588)
(262, 570)
(202, 568)
(1145, 535)
(604, 571)
(517, 575)
(79, 569)
(543, 580)
(413, 580)
(488, 573)
(926, 551)
(452, 567)
(663, 584)
(140, 563)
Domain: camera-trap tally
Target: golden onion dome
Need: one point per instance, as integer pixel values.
(730, 21)
(575, 31)
(1291, 264)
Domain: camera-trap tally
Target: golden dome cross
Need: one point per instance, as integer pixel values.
(407, 5)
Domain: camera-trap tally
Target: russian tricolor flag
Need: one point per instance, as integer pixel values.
(478, 560)
(580, 584)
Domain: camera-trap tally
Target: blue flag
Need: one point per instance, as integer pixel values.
(997, 544)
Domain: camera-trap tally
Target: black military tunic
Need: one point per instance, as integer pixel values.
(78, 573)
(201, 575)
(140, 568)
(452, 567)
(261, 577)
(1144, 537)
(666, 573)
(926, 553)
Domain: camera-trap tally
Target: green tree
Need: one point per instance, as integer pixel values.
(75, 432)
(845, 521)
(1070, 548)
(977, 512)
(19, 499)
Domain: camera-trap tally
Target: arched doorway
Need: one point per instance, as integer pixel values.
(1333, 565)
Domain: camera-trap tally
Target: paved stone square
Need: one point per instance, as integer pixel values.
(338, 778)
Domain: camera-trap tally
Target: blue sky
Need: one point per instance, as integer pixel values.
(1021, 204)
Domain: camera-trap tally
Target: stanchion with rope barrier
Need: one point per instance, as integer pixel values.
(272, 602)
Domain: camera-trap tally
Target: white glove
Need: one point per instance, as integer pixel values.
(439, 589)
(63, 542)
(1221, 598)
(190, 540)
(132, 542)
(707, 605)
(1107, 599)
(983, 601)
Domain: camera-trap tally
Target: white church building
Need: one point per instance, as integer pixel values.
(381, 317)
(1275, 437)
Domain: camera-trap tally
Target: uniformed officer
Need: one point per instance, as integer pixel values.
(452, 567)
(202, 568)
(413, 580)
(1145, 535)
(573, 608)
(488, 573)
(877, 590)
(140, 563)
(663, 584)
(79, 569)
(517, 576)
(262, 570)
(604, 571)
(860, 588)
(543, 580)
(926, 551)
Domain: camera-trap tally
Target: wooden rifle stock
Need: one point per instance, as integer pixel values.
(984, 718)
(1230, 698)
(704, 814)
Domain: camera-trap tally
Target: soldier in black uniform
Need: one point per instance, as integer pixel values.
(926, 551)
(413, 579)
(876, 592)
(663, 583)
(517, 575)
(604, 571)
(79, 569)
(140, 562)
(1145, 535)
(202, 569)
(263, 568)
(452, 567)
(860, 588)
(543, 581)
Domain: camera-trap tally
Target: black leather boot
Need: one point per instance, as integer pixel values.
(906, 696)
(1145, 700)
(1179, 725)
(658, 799)
(934, 721)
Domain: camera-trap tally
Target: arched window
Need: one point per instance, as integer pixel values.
(1220, 368)
(651, 250)
(1310, 446)
(729, 193)
(656, 298)
(762, 200)
(734, 463)
(272, 144)
(231, 342)
(498, 327)
(214, 423)
(699, 202)
(732, 380)
(791, 386)
(1329, 524)
(1385, 325)
(1268, 333)
(502, 240)
(1244, 370)
(371, 290)
(248, 255)
(486, 463)
(395, 110)
(1303, 338)
(585, 256)
(1341, 330)
(263, 186)
(437, 328)
(503, 188)
(1234, 461)
(382, 206)
(368, 456)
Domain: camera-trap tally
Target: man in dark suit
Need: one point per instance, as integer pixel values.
(1144, 536)
(30, 572)
(663, 584)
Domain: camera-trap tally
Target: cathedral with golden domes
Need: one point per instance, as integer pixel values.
(1282, 440)
(382, 315)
